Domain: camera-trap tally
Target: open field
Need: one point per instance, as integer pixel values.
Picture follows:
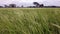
(29, 21)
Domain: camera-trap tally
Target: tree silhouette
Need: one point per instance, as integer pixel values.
(22, 6)
(5, 6)
(1, 6)
(12, 5)
(36, 3)
(41, 5)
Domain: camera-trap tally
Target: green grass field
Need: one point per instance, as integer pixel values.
(29, 21)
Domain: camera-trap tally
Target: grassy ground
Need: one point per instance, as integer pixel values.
(29, 21)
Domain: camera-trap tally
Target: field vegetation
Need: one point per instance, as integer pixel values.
(29, 21)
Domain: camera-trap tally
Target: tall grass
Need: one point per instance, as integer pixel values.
(30, 21)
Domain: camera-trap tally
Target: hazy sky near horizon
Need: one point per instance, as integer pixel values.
(30, 2)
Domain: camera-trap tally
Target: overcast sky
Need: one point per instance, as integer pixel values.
(30, 2)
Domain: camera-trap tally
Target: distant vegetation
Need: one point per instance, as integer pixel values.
(29, 21)
(37, 5)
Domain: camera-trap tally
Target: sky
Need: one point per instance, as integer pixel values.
(30, 2)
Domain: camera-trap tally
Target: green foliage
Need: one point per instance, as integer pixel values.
(29, 21)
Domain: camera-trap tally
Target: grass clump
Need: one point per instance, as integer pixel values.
(30, 21)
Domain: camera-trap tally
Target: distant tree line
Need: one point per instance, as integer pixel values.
(10, 6)
(37, 5)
